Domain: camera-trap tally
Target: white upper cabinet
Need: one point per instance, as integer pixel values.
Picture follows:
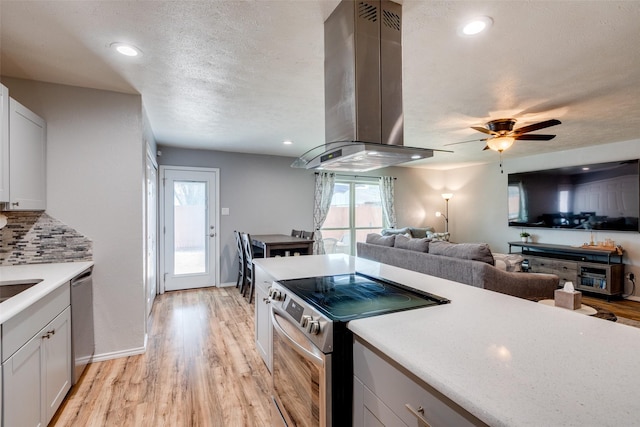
(4, 144)
(27, 159)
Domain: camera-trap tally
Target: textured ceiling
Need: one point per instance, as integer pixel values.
(245, 75)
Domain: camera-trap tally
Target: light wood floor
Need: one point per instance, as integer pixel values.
(200, 369)
(620, 307)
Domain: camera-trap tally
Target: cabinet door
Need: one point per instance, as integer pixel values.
(264, 333)
(23, 381)
(4, 144)
(27, 161)
(263, 326)
(57, 359)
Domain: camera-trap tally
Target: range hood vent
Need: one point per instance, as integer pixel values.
(364, 123)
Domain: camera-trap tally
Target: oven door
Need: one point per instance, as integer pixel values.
(301, 377)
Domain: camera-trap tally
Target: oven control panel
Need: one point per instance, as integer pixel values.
(317, 327)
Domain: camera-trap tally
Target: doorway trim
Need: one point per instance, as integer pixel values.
(216, 238)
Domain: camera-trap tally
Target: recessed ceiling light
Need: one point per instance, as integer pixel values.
(287, 142)
(476, 26)
(125, 49)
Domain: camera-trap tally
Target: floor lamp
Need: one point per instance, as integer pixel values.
(446, 197)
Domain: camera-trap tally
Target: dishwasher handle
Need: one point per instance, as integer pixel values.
(82, 277)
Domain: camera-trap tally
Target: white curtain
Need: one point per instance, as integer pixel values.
(387, 196)
(322, 202)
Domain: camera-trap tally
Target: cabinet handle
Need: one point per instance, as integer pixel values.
(418, 413)
(15, 204)
(52, 332)
(46, 336)
(266, 300)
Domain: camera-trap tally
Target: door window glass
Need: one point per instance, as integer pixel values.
(190, 217)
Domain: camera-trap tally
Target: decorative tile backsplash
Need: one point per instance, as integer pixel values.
(37, 238)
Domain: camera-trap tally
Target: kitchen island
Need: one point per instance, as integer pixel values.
(504, 360)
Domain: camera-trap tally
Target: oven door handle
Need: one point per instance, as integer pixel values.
(314, 356)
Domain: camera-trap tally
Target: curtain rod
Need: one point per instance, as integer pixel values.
(355, 176)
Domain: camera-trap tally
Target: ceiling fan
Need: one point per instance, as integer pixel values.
(503, 135)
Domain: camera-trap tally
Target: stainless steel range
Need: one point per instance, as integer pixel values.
(312, 347)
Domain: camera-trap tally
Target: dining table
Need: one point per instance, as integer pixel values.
(271, 245)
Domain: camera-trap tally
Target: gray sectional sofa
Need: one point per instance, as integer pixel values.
(468, 263)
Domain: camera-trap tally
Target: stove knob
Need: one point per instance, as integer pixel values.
(313, 327)
(276, 295)
(305, 320)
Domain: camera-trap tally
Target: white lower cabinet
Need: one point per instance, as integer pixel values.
(37, 360)
(38, 376)
(385, 394)
(263, 328)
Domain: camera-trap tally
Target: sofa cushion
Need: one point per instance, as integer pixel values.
(394, 231)
(472, 251)
(420, 233)
(508, 262)
(444, 237)
(376, 239)
(420, 245)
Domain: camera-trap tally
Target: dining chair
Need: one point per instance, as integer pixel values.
(248, 253)
(307, 235)
(296, 233)
(329, 245)
(242, 266)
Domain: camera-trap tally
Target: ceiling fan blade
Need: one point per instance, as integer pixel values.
(464, 142)
(484, 130)
(534, 137)
(536, 126)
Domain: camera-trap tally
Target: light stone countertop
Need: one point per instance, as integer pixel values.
(53, 276)
(506, 360)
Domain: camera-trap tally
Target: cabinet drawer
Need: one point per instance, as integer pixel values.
(567, 271)
(24, 325)
(553, 264)
(398, 390)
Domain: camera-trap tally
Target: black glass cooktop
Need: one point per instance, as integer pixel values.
(351, 296)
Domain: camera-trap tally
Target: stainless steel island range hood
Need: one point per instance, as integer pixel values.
(364, 122)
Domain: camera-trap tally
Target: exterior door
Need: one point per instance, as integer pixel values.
(190, 224)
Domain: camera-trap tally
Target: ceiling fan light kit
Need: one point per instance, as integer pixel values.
(500, 143)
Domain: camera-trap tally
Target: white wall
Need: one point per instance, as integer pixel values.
(478, 210)
(95, 179)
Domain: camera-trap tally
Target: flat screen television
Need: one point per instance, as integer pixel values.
(602, 196)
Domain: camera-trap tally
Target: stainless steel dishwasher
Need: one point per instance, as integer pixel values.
(82, 339)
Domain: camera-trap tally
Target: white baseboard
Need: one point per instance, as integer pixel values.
(117, 354)
(633, 298)
(226, 285)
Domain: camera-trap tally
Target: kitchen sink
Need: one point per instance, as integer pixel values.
(11, 288)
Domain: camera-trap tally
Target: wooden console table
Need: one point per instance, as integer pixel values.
(597, 270)
(279, 244)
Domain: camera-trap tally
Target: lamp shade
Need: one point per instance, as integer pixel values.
(500, 143)
(447, 196)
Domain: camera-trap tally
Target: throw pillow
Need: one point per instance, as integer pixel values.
(394, 231)
(376, 239)
(508, 262)
(420, 233)
(471, 251)
(419, 245)
(443, 237)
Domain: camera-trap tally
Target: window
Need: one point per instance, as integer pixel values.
(517, 204)
(356, 210)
